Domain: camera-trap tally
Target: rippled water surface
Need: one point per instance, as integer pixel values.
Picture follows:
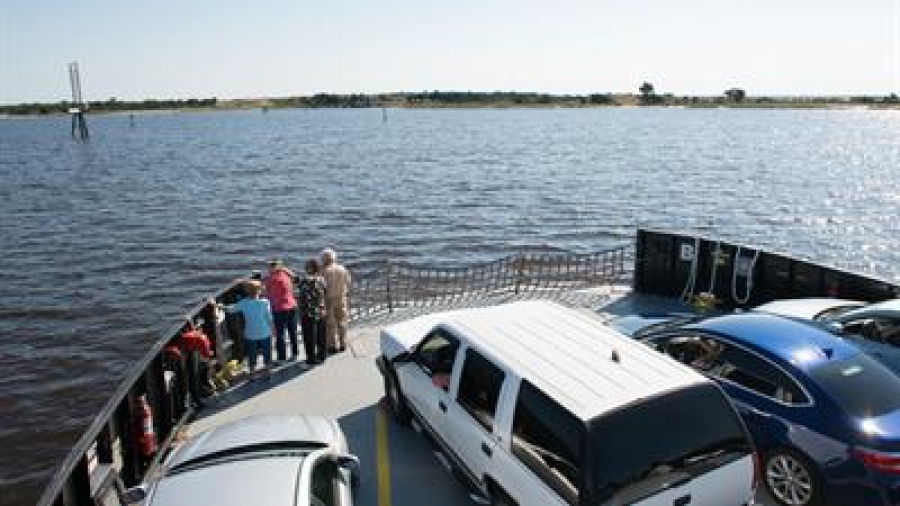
(106, 243)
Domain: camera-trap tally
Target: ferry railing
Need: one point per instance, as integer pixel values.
(107, 458)
(739, 276)
(398, 286)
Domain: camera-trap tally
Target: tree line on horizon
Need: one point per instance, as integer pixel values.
(646, 95)
(111, 105)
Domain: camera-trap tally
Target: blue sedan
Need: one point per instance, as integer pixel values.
(825, 417)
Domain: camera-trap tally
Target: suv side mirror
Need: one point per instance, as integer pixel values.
(135, 495)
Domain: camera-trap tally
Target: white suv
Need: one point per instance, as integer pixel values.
(542, 405)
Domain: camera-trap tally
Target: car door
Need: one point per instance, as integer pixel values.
(425, 378)
(471, 418)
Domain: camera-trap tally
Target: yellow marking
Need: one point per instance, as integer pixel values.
(383, 458)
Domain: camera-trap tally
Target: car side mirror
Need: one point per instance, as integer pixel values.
(348, 462)
(835, 327)
(135, 495)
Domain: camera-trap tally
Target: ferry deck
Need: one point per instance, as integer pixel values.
(398, 465)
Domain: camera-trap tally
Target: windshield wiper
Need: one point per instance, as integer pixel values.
(230, 453)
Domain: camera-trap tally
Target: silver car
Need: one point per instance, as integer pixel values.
(270, 459)
(878, 322)
(821, 309)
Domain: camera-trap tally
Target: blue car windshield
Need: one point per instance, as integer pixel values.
(846, 379)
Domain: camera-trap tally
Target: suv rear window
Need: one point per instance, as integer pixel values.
(845, 379)
(644, 448)
(548, 440)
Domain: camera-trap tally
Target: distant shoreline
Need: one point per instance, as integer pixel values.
(462, 100)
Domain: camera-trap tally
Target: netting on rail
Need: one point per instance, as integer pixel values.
(396, 286)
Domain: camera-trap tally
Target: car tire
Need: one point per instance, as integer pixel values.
(791, 478)
(396, 402)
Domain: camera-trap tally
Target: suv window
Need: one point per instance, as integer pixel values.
(479, 388)
(436, 356)
(548, 440)
(640, 449)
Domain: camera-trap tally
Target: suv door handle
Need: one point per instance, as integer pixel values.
(486, 449)
(442, 406)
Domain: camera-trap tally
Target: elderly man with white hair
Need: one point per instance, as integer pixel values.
(337, 293)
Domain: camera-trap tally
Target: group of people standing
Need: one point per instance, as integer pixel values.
(320, 297)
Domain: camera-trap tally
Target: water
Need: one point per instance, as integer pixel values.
(106, 243)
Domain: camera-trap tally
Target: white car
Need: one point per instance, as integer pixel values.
(270, 460)
(813, 308)
(540, 405)
(879, 321)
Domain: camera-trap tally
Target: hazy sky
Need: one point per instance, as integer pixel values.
(136, 49)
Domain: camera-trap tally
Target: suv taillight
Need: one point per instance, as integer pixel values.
(879, 461)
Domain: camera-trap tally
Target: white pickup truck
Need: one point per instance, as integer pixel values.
(537, 404)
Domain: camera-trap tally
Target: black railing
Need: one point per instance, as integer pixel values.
(109, 453)
(737, 276)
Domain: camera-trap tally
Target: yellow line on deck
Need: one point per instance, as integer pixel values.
(382, 458)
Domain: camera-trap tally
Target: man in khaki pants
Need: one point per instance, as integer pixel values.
(337, 292)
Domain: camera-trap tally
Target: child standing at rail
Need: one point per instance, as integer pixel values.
(258, 326)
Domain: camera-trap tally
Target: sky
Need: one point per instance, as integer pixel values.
(139, 49)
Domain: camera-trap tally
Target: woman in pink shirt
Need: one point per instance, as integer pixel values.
(280, 292)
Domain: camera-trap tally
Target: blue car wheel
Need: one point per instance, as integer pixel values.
(791, 479)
